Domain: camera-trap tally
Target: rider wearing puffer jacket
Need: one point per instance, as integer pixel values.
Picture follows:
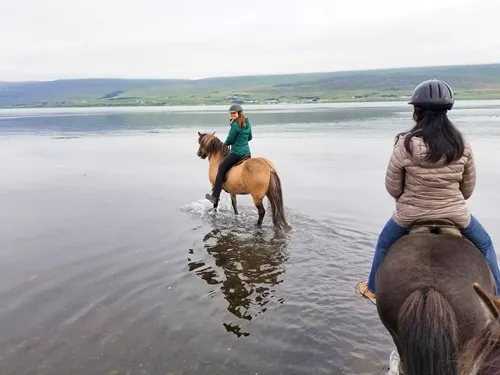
(431, 174)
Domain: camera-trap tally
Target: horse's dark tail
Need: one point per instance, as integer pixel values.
(427, 327)
(275, 196)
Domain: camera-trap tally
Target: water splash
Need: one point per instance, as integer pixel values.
(394, 363)
(224, 216)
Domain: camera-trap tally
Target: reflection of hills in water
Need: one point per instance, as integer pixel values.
(247, 267)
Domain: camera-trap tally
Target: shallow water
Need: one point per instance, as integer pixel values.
(112, 262)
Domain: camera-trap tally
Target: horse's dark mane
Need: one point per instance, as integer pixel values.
(212, 144)
(483, 352)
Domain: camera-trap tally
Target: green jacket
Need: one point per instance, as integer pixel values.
(238, 138)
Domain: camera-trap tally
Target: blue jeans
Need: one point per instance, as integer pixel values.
(390, 234)
(474, 233)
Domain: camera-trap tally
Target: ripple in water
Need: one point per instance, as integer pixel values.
(294, 292)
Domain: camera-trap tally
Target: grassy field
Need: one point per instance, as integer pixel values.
(469, 82)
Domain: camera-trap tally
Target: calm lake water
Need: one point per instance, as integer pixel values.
(112, 263)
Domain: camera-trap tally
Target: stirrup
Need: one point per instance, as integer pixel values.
(213, 200)
(357, 289)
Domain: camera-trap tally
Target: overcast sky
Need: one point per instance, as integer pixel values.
(52, 39)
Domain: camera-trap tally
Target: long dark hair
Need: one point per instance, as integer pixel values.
(241, 120)
(442, 138)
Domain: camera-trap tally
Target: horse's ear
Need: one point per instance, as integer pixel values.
(213, 133)
(199, 134)
(491, 304)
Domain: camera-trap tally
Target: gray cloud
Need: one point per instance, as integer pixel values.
(192, 39)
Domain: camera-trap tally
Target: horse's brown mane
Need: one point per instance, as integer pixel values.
(483, 352)
(212, 144)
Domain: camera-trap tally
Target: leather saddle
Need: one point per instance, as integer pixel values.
(245, 157)
(434, 226)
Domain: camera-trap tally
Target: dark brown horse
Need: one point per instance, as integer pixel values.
(255, 176)
(425, 297)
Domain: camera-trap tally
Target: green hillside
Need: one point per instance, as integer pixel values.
(469, 82)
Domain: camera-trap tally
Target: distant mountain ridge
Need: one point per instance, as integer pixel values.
(468, 81)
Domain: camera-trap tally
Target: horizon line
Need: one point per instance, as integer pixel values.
(253, 75)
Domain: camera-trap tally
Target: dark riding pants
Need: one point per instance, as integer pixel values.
(224, 166)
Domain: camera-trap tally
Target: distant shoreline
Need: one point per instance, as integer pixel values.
(155, 105)
(132, 105)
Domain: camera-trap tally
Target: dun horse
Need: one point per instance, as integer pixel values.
(426, 299)
(255, 176)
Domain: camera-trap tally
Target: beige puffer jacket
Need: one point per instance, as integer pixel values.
(425, 190)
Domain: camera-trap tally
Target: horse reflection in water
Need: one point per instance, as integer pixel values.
(251, 263)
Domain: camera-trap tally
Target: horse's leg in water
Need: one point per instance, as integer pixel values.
(233, 201)
(260, 207)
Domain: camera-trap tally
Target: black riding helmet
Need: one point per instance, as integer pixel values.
(235, 108)
(433, 94)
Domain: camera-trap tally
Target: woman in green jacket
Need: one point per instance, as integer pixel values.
(238, 138)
